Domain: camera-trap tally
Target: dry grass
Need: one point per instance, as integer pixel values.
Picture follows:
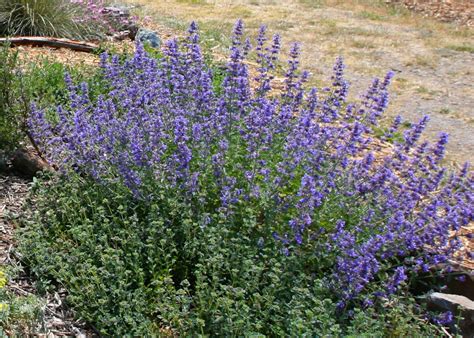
(324, 27)
(371, 36)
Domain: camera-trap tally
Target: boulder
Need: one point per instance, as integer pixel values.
(458, 305)
(117, 11)
(132, 30)
(147, 36)
(121, 16)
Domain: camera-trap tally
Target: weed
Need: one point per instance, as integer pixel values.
(363, 44)
(462, 48)
(19, 315)
(193, 2)
(429, 61)
(370, 16)
(312, 3)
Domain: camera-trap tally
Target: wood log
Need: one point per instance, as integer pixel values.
(27, 163)
(50, 42)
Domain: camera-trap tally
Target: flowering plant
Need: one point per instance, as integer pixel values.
(97, 14)
(302, 166)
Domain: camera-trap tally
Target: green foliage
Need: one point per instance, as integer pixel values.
(18, 314)
(11, 116)
(218, 72)
(469, 48)
(155, 53)
(135, 267)
(401, 317)
(45, 83)
(41, 82)
(40, 17)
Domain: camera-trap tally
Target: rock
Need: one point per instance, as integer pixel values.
(26, 163)
(132, 30)
(119, 11)
(126, 24)
(463, 287)
(458, 305)
(120, 36)
(451, 302)
(147, 36)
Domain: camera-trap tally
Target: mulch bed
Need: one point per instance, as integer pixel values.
(57, 319)
(13, 191)
(456, 11)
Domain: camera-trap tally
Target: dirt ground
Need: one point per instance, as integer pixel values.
(433, 61)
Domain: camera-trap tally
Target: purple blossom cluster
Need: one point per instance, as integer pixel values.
(305, 160)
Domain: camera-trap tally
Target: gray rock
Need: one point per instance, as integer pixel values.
(121, 17)
(456, 304)
(117, 11)
(451, 302)
(147, 36)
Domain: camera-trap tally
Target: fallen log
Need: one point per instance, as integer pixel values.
(50, 42)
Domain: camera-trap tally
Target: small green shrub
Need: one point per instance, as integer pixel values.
(19, 315)
(11, 117)
(190, 200)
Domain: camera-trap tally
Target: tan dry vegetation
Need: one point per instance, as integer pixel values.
(372, 37)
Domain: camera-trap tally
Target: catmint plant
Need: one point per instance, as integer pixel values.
(304, 161)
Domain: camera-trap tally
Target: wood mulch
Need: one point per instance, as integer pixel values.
(13, 191)
(457, 11)
(56, 318)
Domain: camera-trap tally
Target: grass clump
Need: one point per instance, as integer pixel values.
(370, 16)
(462, 48)
(312, 3)
(75, 19)
(40, 17)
